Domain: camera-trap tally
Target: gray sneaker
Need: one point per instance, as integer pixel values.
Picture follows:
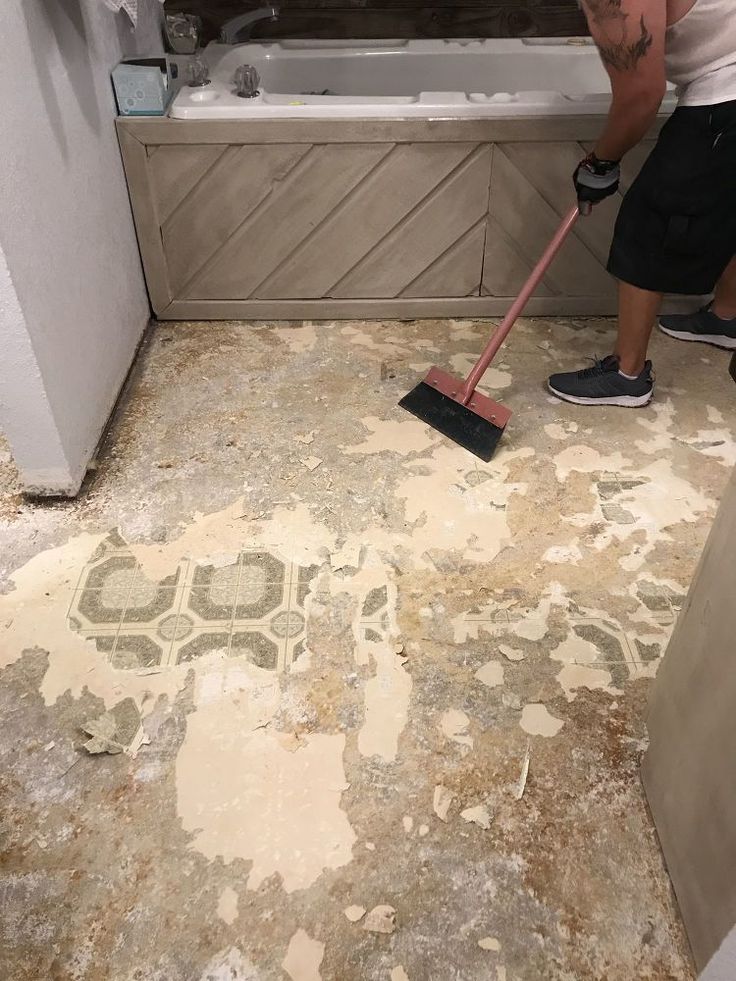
(703, 325)
(603, 384)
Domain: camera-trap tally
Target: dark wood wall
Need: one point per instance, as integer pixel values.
(398, 18)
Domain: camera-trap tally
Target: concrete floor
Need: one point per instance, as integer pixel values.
(348, 638)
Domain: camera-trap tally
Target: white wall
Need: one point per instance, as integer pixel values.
(722, 966)
(73, 304)
(21, 385)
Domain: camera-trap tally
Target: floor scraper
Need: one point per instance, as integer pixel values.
(453, 406)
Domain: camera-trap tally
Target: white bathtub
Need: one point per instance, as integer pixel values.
(425, 79)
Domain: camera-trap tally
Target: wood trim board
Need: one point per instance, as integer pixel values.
(343, 219)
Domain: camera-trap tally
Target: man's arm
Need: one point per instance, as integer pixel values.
(630, 38)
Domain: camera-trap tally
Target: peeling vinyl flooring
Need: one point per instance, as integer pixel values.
(393, 698)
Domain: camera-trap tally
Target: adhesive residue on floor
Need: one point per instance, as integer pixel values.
(387, 690)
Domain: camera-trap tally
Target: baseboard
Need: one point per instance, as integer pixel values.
(403, 309)
(399, 309)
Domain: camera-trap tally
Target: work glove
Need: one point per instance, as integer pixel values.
(595, 180)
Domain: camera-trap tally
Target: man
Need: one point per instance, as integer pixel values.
(676, 229)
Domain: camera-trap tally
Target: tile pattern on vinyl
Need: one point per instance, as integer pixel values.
(251, 608)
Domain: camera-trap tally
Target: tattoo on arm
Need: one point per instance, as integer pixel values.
(620, 47)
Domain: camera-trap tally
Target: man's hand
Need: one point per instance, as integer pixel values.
(596, 179)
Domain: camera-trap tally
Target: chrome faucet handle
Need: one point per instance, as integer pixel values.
(247, 81)
(198, 72)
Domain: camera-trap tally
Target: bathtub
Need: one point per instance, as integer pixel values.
(427, 185)
(403, 79)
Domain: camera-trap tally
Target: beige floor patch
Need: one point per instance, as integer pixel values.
(303, 958)
(387, 693)
(244, 795)
(394, 436)
(537, 720)
(451, 497)
(227, 905)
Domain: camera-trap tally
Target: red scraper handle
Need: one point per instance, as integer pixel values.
(501, 333)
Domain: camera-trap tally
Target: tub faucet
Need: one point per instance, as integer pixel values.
(244, 24)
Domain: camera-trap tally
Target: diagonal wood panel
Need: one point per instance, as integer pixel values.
(440, 219)
(529, 221)
(457, 272)
(505, 268)
(290, 215)
(359, 223)
(221, 201)
(366, 221)
(549, 167)
(175, 170)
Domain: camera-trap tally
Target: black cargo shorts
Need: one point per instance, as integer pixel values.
(676, 229)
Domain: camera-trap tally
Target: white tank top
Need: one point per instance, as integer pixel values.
(700, 53)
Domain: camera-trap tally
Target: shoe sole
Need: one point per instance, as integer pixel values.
(715, 340)
(626, 401)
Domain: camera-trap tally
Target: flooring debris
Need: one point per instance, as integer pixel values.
(346, 557)
(511, 700)
(489, 943)
(355, 913)
(117, 731)
(521, 784)
(443, 799)
(381, 919)
(311, 462)
(510, 653)
(479, 815)
(454, 724)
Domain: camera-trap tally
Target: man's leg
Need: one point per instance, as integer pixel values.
(715, 324)
(637, 313)
(724, 304)
(624, 377)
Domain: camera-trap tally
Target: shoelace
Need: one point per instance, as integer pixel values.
(597, 368)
